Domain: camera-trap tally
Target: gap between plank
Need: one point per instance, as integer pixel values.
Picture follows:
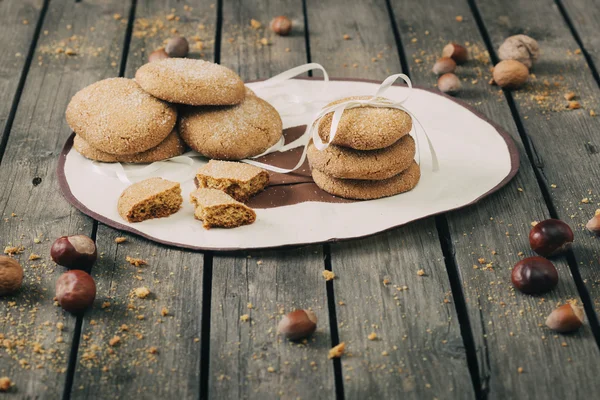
(333, 326)
(306, 35)
(445, 241)
(586, 299)
(13, 109)
(72, 363)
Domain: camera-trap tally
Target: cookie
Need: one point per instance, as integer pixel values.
(116, 116)
(191, 82)
(232, 132)
(172, 146)
(217, 209)
(368, 190)
(239, 180)
(346, 163)
(366, 128)
(150, 198)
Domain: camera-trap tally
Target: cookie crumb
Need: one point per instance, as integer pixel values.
(136, 261)
(120, 239)
(459, 18)
(141, 292)
(346, 37)
(5, 384)
(337, 351)
(153, 350)
(244, 318)
(255, 24)
(421, 272)
(33, 257)
(164, 311)
(574, 105)
(520, 370)
(328, 275)
(372, 336)
(270, 369)
(569, 96)
(114, 341)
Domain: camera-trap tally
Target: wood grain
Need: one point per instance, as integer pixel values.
(27, 174)
(274, 282)
(174, 277)
(419, 351)
(504, 322)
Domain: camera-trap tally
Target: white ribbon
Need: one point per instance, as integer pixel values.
(117, 169)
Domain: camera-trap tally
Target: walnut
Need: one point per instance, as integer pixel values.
(521, 48)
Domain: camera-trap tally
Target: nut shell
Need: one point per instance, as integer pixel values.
(457, 52)
(534, 275)
(75, 291)
(566, 318)
(11, 275)
(444, 65)
(281, 25)
(74, 252)
(521, 48)
(593, 224)
(510, 74)
(298, 324)
(449, 83)
(550, 237)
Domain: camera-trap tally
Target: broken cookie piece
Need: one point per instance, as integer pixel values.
(217, 209)
(150, 198)
(239, 180)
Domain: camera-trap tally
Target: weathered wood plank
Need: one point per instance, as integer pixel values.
(504, 323)
(31, 189)
(419, 352)
(275, 281)
(174, 277)
(18, 20)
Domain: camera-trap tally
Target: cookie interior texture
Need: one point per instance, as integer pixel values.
(366, 128)
(116, 116)
(239, 180)
(368, 190)
(172, 146)
(217, 209)
(233, 132)
(346, 163)
(191, 82)
(150, 198)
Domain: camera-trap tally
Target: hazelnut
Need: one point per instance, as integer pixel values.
(298, 324)
(593, 224)
(281, 25)
(449, 83)
(177, 47)
(5, 384)
(74, 252)
(75, 291)
(11, 275)
(510, 74)
(457, 52)
(444, 65)
(550, 237)
(158, 54)
(534, 275)
(566, 318)
(521, 48)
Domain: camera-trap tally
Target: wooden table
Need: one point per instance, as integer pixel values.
(458, 332)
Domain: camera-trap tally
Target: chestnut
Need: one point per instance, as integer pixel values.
(74, 252)
(177, 46)
(75, 291)
(298, 324)
(566, 318)
(534, 275)
(550, 237)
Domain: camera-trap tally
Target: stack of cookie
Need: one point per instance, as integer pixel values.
(134, 121)
(371, 155)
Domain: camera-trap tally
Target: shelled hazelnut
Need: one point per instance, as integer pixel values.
(593, 224)
(444, 65)
(566, 318)
(281, 25)
(550, 237)
(534, 275)
(510, 74)
(449, 83)
(74, 252)
(177, 46)
(11, 275)
(521, 48)
(75, 291)
(298, 324)
(457, 52)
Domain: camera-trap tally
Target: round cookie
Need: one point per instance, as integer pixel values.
(191, 82)
(366, 128)
(231, 133)
(117, 117)
(344, 163)
(369, 190)
(172, 146)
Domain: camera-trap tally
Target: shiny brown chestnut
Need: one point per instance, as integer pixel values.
(74, 252)
(298, 324)
(75, 291)
(550, 237)
(177, 46)
(534, 275)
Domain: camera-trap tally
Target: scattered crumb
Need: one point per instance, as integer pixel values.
(372, 336)
(5, 384)
(152, 350)
(337, 351)
(585, 200)
(250, 306)
(384, 353)
(271, 369)
(520, 370)
(255, 24)
(164, 311)
(136, 261)
(421, 272)
(328, 275)
(386, 282)
(117, 16)
(569, 96)
(114, 341)
(592, 113)
(12, 250)
(141, 292)
(574, 105)
(245, 318)
(33, 257)
(459, 18)
(346, 37)
(120, 239)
